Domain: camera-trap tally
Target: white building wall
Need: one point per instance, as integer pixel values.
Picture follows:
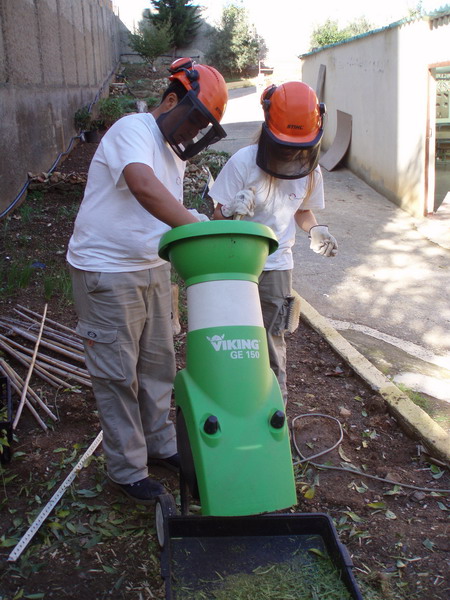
(381, 79)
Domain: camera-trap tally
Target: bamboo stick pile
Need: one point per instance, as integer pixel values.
(57, 358)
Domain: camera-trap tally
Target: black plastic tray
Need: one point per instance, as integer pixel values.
(6, 424)
(197, 549)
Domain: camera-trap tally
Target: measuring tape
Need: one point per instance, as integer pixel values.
(26, 539)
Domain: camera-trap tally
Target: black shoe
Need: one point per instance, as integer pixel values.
(171, 462)
(144, 491)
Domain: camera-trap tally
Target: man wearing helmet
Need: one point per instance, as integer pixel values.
(278, 182)
(122, 288)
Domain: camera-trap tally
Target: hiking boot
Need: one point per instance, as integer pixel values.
(144, 491)
(171, 462)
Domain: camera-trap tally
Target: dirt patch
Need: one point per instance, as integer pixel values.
(96, 545)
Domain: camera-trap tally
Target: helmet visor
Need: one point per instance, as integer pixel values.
(189, 127)
(287, 161)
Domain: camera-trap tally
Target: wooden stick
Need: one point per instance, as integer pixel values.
(73, 339)
(26, 330)
(30, 371)
(48, 332)
(32, 394)
(68, 367)
(19, 381)
(43, 373)
(78, 356)
(68, 329)
(28, 404)
(70, 376)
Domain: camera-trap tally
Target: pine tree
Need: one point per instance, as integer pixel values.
(183, 19)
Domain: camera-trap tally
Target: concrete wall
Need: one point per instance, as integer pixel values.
(382, 80)
(55, 55)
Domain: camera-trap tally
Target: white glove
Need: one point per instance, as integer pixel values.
(322, 242)
(242, 204)
(200, 216)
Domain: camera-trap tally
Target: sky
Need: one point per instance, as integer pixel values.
(288, 25)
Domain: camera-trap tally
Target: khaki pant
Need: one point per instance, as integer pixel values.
(274, 287)
(125, 323)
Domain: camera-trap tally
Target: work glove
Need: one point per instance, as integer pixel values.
(322, 242)
(200, 216)
(243, 204)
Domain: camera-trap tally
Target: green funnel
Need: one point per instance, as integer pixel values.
(218, 250)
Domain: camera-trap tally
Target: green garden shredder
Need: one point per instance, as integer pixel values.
(232, 433)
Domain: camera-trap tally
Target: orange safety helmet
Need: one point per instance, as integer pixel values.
(193, 124)
(289, 144)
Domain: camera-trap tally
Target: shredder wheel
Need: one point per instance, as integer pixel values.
(165, 507)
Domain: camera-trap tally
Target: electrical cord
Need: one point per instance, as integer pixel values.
(309, 460)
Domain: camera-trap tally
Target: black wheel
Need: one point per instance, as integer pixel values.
(165, 507)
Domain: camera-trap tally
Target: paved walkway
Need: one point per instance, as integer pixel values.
(387, 291)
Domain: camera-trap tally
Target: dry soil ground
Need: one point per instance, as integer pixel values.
(95, 545)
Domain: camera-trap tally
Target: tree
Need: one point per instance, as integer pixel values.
(150, 41)
(358, 26)
(417, 11)
(330, 33)
(181, 16)
(235, 45)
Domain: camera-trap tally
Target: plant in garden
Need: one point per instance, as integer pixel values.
(213, 159)
(15, 275)
(151, 40)
(109, 110)
(58, 283)
(82, 119)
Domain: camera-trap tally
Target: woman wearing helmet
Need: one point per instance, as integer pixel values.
(278, 182)
(122, 289)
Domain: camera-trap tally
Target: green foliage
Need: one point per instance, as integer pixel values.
(358, 26)
(58, 284)
(29, 212)
(330, 33)
(235, 47)
(151, 40)
(213, 159)
(16, 275)
(181, 16)
(82, 119)
(109, 110)
(4, 442)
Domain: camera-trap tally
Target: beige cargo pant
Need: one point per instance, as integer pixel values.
(274, 287)
(125, 323)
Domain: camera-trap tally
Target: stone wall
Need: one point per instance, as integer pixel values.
(55, 57)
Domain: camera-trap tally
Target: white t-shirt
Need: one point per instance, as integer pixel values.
(113, 233)
(277, 200)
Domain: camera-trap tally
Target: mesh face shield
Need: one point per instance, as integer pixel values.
(287, 161)
(189, 127)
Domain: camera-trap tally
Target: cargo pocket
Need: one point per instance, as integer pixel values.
(278, 324)
(102, 351)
